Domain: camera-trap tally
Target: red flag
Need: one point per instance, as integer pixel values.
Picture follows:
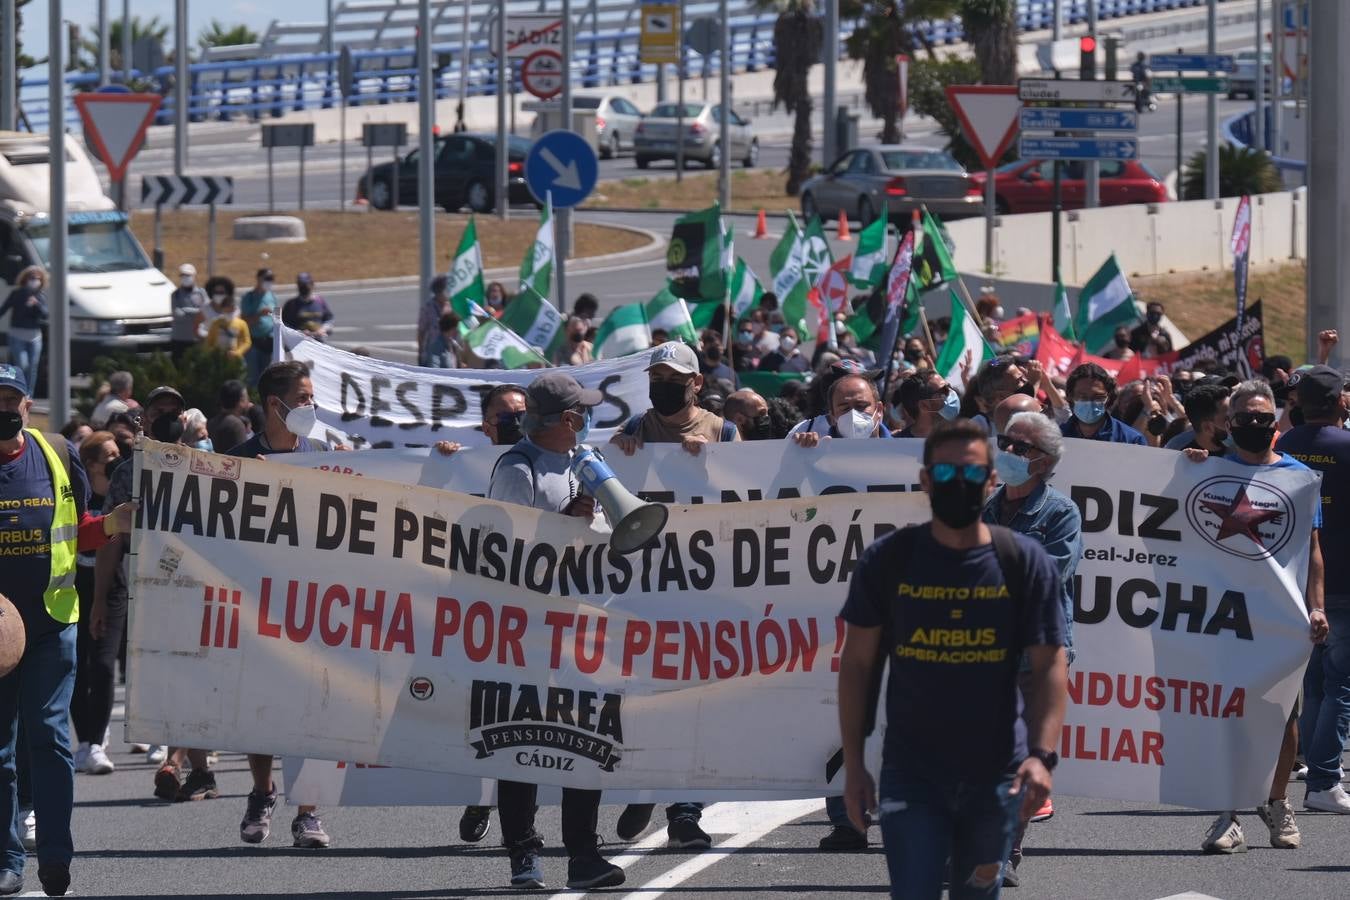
(830, 294)
(1136, 368)
(1059, 357)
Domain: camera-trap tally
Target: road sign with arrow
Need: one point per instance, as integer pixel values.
(564, 165)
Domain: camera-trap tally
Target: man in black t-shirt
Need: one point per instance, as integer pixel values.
(953, 606)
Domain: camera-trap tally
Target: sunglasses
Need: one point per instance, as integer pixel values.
(938, 393)
(1263, 419)
(943, 473)
(1016, 447)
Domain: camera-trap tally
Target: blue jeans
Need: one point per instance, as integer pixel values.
(38, 693)
(837, 810)
(27, 355)
(961, 829)
(1326, 704)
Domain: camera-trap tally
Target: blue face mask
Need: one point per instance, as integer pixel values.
(951, 407)
(1013, 469)
(585, 428)
(1089, 412)
(204, 444)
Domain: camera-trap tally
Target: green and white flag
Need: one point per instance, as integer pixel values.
(785, 265)
(811, 259)
(467, 293)
(965, 348)
(494, 341)
(669, 312)
(536, 269)
(694, 256)
(745, 291)
(1105, 303)
(537, 321)
(869, 262)
(1063, 319)
(624, 331)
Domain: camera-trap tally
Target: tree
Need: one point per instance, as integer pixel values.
(1242, 170)
(797, 38)
(87, 59)
(218, 35)
(991, 31)
(21, 60)
(928, 80)
(880, 36)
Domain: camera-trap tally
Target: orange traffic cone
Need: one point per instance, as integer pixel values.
(761, 226)
(843, 234)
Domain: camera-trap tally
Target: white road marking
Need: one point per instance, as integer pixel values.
(634, 853)
(1190, 895)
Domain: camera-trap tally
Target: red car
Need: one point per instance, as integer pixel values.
(1028, 185)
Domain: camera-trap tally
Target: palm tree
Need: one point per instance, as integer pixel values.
(149, 28)
(797, 38)
(882, 33)
(1242, 170)
(991, 31)
(218, 35)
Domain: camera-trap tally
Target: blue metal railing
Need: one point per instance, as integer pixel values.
(255, 89)
(1238, 131)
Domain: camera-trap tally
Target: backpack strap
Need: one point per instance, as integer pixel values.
(728, 431)
(62, 448)
(1010, 561)
(529, 452)
(632, 426)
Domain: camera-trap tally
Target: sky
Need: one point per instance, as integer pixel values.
(257, 14)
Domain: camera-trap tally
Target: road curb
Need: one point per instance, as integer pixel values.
(633, 210)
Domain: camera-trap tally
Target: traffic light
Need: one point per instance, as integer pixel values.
(1087, 58)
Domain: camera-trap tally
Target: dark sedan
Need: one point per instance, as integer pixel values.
(465, 175)
(897, 178)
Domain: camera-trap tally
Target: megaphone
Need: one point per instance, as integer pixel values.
(13, 637)
(635, 522)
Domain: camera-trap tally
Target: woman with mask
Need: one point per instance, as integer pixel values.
(27, 308)
(228, 333)
(194, 430)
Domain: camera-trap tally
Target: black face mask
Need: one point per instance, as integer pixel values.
(1027, 388)
(1122, 341)
(508, 430)
(668, 397)
(10, 424)
(956, 504)
(1154, 318)
(759, 429)
(1296, 415)
(124, 449)
(167, 429)
(913, 355)
(1281, 392)
(1156, 425)
(1253, 438)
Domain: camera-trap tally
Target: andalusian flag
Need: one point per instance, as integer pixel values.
(466, 277)
(875, 323)
(536, 269)
(965, 348)
(745, 291)
(668, 312)
(694, 256)
(1063, 319)
(933, 264)
(538, 322)
(624, 331)
(812, 259)
(1104, 304)
(869, 262)
(494, 341)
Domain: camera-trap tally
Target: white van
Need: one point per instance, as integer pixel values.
(118, 300)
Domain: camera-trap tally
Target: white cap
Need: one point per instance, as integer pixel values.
(187, 269)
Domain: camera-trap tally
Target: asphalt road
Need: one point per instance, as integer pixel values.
(131, 845)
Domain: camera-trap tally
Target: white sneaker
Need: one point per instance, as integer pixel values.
(97, 763)
(81, 758)
(1334, 799)
(29, 829)
(1279, 818)
(157, 754)
(1225, 836)
(1300, 771)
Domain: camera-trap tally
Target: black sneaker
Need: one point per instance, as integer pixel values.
(634, 820)
(55, 878)
(257, 822)
(200, 785)
(474, 824)
(844, 839)
(1010, 876)
(592, 871)
(684, 833)
(526, 871)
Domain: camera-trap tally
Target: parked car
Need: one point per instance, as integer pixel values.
(1028, 185)
(895, 177)
(616, 121)
(1242, 80)
(465, 175)
(658, 133)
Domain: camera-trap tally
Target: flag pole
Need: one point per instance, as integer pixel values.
(963, 292)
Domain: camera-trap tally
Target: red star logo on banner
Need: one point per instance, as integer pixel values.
(1240, 517)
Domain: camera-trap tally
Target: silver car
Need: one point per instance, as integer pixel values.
(658, 134)
(898, 178)
(616, 121)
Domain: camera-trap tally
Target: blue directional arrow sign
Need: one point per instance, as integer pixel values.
(1190, 62)
(562, 164)
(1078, 148)
(1056, 119)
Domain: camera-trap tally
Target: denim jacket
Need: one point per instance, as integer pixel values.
(1053, 520)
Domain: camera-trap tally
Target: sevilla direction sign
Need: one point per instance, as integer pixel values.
(1046, 118)
(988, 117)
(1051, 90)
(116, 123)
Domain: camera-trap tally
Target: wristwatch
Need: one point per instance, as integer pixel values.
(1048, 758)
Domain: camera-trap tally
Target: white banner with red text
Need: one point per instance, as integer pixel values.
(483, 653)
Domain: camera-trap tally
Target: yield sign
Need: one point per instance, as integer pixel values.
(988, 115)
(116, 123)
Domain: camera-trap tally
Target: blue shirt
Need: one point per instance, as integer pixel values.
(261, 304)
(1284, 462)
(27, 506)
(1114, 430)
(308, 314)
(954, 638)
(21, 314)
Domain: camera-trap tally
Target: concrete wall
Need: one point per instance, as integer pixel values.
(1155, 239)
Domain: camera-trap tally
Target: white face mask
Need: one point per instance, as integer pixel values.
(229, 314)
(186, 281)
(787, 344)
(300, 420)
(267, 286)
(998, 312)
(856, 424)
(33, 284)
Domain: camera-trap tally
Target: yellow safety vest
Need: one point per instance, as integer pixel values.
(61, 599)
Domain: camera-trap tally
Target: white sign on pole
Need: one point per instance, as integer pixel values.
(526, 34)
(988, 116)
(1042, 89)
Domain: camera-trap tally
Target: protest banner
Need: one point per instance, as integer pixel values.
(1242, 354)
(1190, 632)
(367, 402)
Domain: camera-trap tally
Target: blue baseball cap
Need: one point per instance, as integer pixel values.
(11, 376)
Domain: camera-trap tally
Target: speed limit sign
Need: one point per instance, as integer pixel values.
(542, 74)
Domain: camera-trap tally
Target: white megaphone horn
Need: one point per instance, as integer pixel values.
(635, 521)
